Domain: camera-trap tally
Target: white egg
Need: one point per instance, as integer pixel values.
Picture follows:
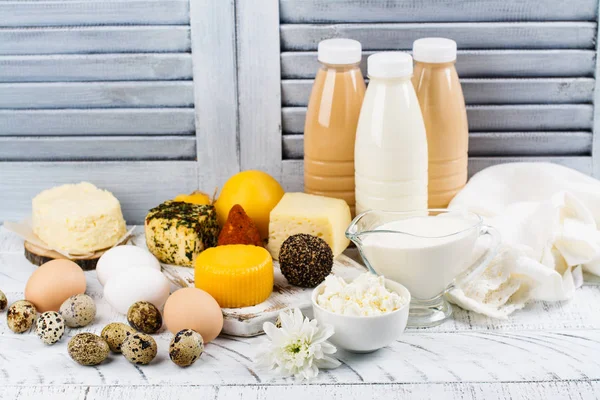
(121, 258)
(137, 284)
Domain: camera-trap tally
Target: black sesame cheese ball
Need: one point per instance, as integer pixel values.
(305, 260)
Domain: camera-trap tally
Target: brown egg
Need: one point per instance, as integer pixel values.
(192, 308)
(53, 283)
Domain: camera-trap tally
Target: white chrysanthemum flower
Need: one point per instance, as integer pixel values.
(299, 347)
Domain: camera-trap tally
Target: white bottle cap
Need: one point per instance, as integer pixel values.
(434, 50)
(390, 64)
(339, 51)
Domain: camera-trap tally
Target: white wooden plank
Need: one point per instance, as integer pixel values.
(295, 92)
(139, 186)
(528, 117)
(96, 94)
(97, 39)
(259, 85)
(95, 67)
(293, 170)
(596, 129)
(111, 121)
(430, 391)
(495, 144)
(215, 82)
(478, 35)
(392, 391)
(86, 148)
(477, 63)
(429, 11)
(415, 358)
(85, 12)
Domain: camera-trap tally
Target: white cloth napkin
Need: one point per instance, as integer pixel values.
(548, 216)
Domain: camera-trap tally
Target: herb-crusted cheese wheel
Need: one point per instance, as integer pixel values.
(176, 232)
(320, 216)
(236, 275)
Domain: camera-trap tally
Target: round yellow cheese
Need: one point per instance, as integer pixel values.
(236, 275)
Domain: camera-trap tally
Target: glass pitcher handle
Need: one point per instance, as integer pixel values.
(482, 262)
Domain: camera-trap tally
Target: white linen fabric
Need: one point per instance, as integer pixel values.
(548, 216)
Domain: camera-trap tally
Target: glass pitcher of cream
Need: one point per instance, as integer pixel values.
(426, 251)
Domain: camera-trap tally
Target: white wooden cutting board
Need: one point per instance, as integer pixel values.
(248, 321)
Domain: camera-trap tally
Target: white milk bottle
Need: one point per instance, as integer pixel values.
(391, 145)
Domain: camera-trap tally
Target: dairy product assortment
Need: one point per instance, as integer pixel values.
(398, 145)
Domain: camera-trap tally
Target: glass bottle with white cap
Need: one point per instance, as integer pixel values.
(443, 106)
(391, 144)
(331, 119)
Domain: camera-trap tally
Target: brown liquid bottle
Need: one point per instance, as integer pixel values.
(331, 119)
(443, 107)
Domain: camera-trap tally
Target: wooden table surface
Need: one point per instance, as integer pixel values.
(547, 351)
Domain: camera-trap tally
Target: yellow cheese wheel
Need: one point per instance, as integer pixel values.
(236, 275)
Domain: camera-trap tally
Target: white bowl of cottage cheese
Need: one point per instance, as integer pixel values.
(367, 314)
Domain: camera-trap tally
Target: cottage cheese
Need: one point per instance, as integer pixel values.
(365, 296)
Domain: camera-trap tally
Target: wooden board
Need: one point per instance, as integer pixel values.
(298, 11)
(476, 63)
(38, 256)
(259, 85)
(121, 121)
(96, 148)
(93, 12)
(494, 118)
(494, 144)
(296, 92)
(97, 39)
(468, 35)
(56, 95)
(95, 67)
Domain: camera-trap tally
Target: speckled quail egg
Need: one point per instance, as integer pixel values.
(50, 327)
(186, 347)
(139, 348)
(88, 349)
(144, 317)
(3, 301)
(20, 316)
(78, 310)
(115, 333)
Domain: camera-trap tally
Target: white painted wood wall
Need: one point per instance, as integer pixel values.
(149, 98)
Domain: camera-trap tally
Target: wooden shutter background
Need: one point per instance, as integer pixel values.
(149, 98)
(103, 91)
(527, 69)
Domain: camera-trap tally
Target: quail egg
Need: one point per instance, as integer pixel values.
(50, 327)
(115, 333)
(20, 316)
(144, 317)
(88, 349)
(78, 310)
(3, 301)
(139, 348)
(186, 347)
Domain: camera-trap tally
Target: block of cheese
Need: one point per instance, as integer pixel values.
(236, 275)
(176, 232)
(78, 218)
(319, 216)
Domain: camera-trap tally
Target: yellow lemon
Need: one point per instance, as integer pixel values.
(194, 198)
(256, 191)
